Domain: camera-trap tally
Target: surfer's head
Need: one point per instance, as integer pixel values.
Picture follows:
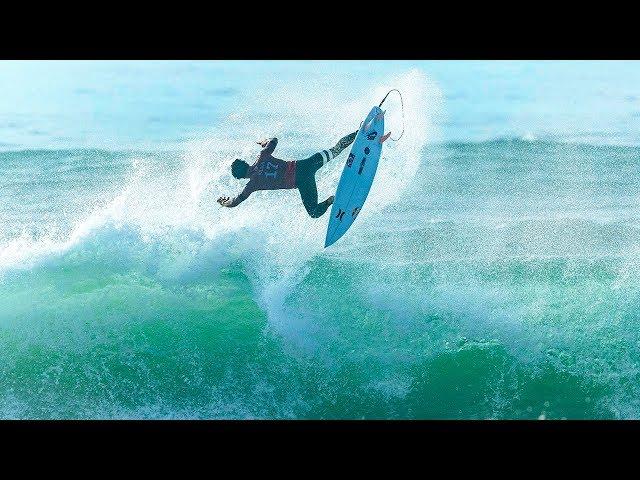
(239, 168)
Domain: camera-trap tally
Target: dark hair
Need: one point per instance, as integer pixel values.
(239, 168)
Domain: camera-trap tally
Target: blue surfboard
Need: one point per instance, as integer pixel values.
(357, 176)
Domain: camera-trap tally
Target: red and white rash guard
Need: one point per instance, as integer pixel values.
(268, 173)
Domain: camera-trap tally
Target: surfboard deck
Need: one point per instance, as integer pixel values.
(357, 176)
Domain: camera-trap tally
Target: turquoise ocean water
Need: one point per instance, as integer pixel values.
(493, 272)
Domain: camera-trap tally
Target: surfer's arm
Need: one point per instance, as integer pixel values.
(268, 146)
(234, 202)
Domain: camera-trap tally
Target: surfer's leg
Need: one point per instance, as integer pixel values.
(322, 207)
(316, 161)
(343, 143)
(309, 195)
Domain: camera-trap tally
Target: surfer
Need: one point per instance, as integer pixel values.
(270, 173)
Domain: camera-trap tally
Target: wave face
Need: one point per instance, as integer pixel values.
(492, 279)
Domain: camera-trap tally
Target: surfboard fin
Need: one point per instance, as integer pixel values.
(384, 137)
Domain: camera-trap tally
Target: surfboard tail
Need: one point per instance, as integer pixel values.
(367, 127)
(375, 118)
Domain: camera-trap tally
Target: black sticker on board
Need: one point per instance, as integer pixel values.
(362, 165)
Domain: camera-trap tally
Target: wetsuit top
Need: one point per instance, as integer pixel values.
(268, 173)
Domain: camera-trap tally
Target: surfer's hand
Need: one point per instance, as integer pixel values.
(262, 143)
(224, 201)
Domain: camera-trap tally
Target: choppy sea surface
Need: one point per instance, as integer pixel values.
(493, 272)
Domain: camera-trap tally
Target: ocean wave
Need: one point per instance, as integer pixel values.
(459, 293)
(601, 143)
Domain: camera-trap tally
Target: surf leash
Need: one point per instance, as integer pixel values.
(401, 104)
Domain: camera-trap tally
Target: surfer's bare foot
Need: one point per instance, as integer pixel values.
(330, 200)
